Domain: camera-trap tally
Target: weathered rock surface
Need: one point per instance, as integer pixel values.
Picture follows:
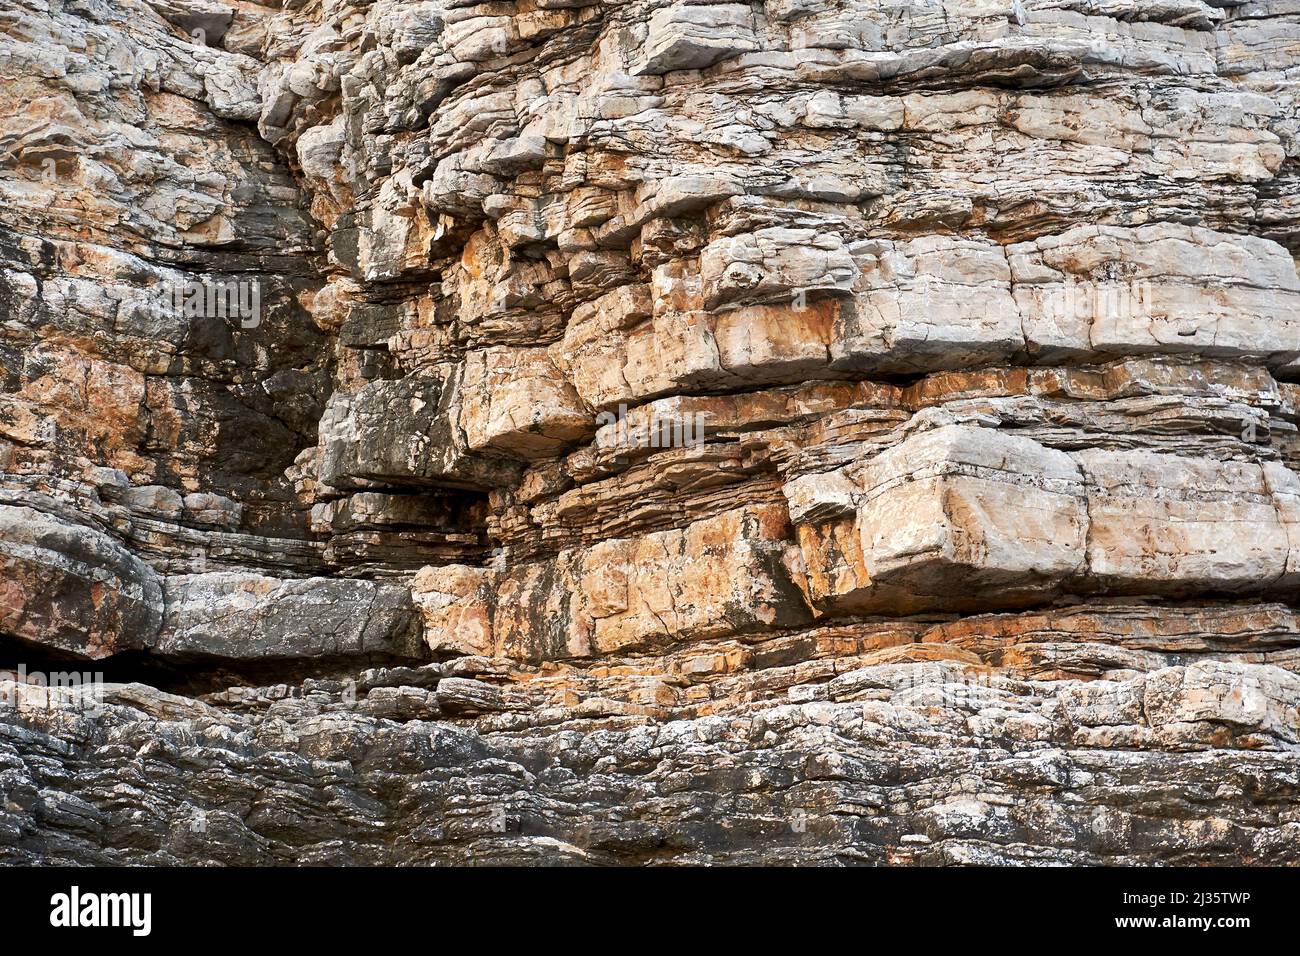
(893, 763)
(74, 588)
(251, 616)
(649, 432)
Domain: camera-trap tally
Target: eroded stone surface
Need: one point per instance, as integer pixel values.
(74, 588)
(667, 432)
(251, 617)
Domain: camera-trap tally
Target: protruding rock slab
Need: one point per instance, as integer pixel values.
(399, 432)
(962, 518)
(956, 518)
(71, 588)
(517, 404)
(241, 616)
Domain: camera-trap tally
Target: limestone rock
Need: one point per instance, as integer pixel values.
(653, 431)
(455, 604)
(252, 617)
(73, 588)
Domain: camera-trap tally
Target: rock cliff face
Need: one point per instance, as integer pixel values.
(648, 431)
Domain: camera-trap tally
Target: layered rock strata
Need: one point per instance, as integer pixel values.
(649, 432)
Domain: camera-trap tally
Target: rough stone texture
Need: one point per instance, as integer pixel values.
(74, 588)
(251, 616)
(667, 432)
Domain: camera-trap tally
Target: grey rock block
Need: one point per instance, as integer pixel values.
(242, 616)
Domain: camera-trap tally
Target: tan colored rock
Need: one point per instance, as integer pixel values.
(1205, 701)
(515, 402)
(1163, 288)
(724, 575)
(774, 263)
(688, 37)
(1175, 525)
(953, 518)
(731, 574)
(456, 605)
(928, 303)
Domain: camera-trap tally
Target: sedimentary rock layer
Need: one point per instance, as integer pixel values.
(649, 431)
